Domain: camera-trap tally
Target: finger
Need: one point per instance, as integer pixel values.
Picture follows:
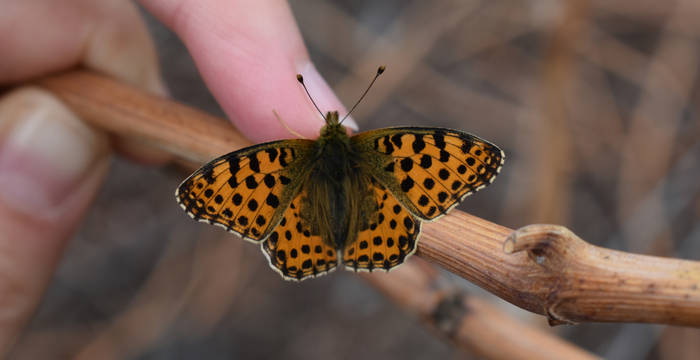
(49, 36)
(108, 36)
(51, 165)
(249, 53)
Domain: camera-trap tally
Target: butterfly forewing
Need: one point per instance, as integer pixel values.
(390, 237)
(245, 191)
(294, 251)
(430, 170)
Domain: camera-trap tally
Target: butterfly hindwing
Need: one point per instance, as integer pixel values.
(245, 191)
(294, 251)
(390, 237)
(430, 170)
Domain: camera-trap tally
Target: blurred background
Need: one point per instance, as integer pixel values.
(594, 102)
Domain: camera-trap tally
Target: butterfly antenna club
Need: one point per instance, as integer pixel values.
(300, 79)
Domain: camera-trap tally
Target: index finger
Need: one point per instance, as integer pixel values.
(249, 54)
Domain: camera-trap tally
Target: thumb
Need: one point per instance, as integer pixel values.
(51, 165)
(249, 53)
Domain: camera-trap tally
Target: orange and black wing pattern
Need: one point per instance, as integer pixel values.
(391, 235)
(430, 170)
(245, 191)
(293, 251)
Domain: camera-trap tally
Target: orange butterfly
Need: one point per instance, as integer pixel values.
(355, 199)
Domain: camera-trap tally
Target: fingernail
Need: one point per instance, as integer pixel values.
(156, 84)
(45, 150)
(350, 123)
(323, 94)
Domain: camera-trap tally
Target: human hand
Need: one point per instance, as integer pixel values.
(51, 164)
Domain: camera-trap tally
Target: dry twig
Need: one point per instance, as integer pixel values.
(559, 275)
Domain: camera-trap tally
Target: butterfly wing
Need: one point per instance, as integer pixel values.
(294, 251)
(246, 191)
(390, 237)
(429, 170)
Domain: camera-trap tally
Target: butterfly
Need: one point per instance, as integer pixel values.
(357, 200)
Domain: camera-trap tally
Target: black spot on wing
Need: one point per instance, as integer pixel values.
(406, 164)
(272, 153)
(283, 158)
(250, 182)
(396, 139)
(272, 200)
(269, 181)
(389, 167)
(423, 200)
(407, 184)
(254, 163)
(418, 144)
(208, 173)
(439, 138)
(444, 156)
(252, 205)
(426, 161)
(234, 165)
(388, 146)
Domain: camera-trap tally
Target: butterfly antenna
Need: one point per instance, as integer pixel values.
(380, 70)
(301, 80)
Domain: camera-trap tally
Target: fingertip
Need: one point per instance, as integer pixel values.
(45, 154)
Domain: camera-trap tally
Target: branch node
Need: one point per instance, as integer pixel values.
(553, 318)
(546, 245)
(553, 321)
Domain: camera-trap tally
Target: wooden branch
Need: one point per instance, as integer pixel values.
(132, 113)
(584, 281)
(557, 274)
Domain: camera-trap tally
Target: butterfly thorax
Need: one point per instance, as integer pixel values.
(333, 151)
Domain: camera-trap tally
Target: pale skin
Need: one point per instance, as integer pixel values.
(248, 53)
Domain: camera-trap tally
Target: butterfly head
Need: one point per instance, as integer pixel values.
(333, 126)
